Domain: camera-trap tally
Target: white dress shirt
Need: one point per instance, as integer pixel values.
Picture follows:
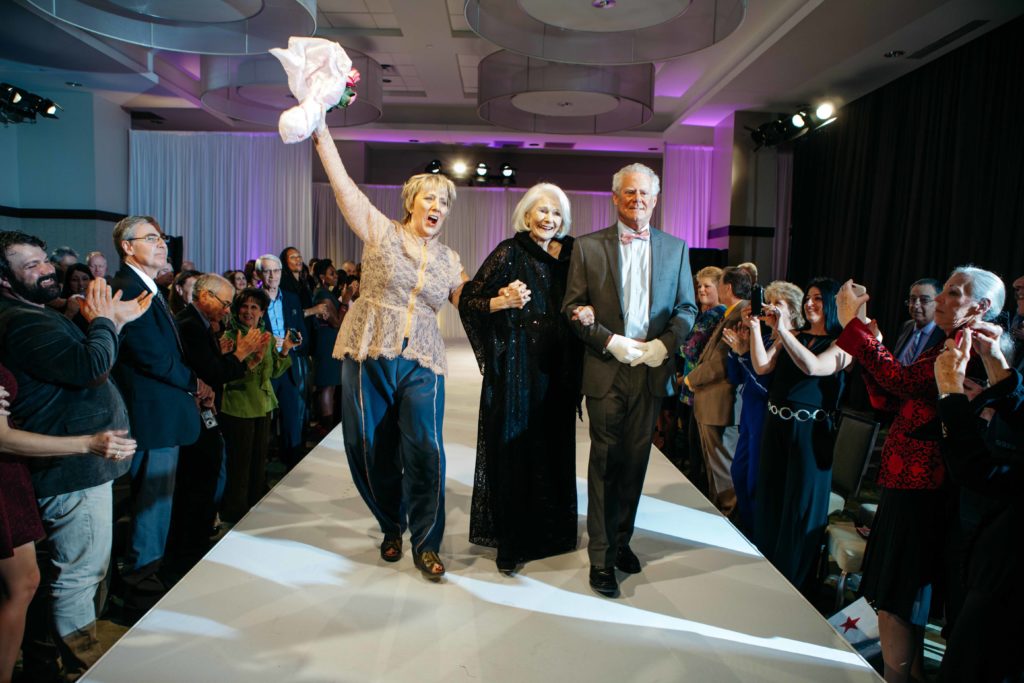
(635, 268)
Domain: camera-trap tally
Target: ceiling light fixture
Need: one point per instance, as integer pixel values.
(631, 33)
(459, 168)
(792, 127)
(215, 27)
(433, 167)
(481, 169)
(534, 95)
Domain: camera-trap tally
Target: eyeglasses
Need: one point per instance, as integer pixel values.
(149, 239)
(923, 300)
(225, 304)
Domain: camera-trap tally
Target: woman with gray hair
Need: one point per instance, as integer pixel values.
(394, 361)
(524, 490)
(900, 562)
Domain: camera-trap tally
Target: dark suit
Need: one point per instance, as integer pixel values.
(907, 332)
(158, 389)
(716, 410)
(622, 401)
(290, 387)
(199, 464)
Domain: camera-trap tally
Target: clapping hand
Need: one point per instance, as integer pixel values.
(99, 303)
(227, 344)
(516, 294)
(737, 338)
(584, 315)
(4, 403)
(250, 342)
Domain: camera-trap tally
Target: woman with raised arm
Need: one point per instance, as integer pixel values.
(394, 361)
(524, 489)
(795, 471)
(903, 557)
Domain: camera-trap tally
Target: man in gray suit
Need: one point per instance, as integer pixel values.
(630, 298)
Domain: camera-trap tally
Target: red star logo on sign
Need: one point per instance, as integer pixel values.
(849, 623)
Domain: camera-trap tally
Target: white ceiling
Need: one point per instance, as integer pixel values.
(784, 54)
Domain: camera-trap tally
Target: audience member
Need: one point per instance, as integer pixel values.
(20, 526)
(901, 563)
(716, 401)
(285, 320)
(180, 290)
(644, 309)
(251, 278)
(237, 279)
(327, 368)
(62, 374)
(97, 263)
(795, 472)
(62, 258)
(200, 464)
(158, 388)
(920, 333)
(248, 402)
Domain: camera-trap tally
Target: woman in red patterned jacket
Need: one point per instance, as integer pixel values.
(900, 561)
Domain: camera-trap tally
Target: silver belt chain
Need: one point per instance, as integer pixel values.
(800, 414)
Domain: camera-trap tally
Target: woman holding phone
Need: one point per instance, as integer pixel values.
(900, 560)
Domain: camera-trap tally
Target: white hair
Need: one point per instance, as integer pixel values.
(984, 285)
(636, 168)
(267, 257)
(535, 194)
(209, 282)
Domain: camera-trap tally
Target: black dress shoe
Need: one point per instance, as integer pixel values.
(603, 581)
(627, 561)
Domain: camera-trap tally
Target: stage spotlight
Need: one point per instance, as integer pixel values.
(481, 169)
(459, 168)
(48, 108)
(825, 111)
(9, 94)
(798, 120)
(433, 167)
(507, 171)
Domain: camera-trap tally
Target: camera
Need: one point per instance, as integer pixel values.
(209, 420)
(293, 335)
(756, 299)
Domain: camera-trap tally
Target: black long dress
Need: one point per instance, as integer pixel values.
(524, 489)
(795, 474)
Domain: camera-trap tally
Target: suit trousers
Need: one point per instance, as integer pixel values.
(718, 444)
(195, 497)
(290, 389)
(392, 412)
(621, 425)
(153, 472)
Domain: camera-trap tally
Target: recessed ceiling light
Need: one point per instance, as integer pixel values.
(894, 53)
(386, 80)
(73, 84)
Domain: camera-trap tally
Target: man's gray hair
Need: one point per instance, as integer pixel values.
(267, 257)
(210, 282)
(636, 168)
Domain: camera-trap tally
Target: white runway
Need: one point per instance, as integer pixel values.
(297, 592)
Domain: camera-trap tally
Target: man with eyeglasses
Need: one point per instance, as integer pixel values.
(920, 333)
(160, 390)
(199, 464)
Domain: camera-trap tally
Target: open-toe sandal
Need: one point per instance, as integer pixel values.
(391, 549)
(429, 564)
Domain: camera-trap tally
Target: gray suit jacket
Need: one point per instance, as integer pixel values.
(595, 279)
(937, 337)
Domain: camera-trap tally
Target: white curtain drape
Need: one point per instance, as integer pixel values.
(479, 220)
(231, 196)
(686, 193)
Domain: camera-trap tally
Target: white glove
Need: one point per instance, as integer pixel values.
(654, 354)
(625, 349)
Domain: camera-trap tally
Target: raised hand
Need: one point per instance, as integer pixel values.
(849, 300)
(227, 344)
(951, 365)
(738, 339)
(250, 342)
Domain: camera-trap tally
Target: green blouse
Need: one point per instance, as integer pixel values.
(252, 395)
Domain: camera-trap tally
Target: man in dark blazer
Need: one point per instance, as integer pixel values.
(286, 316)
(160, 391)
(630, 298)
(199, 464)
(920, 333)
(716, 402)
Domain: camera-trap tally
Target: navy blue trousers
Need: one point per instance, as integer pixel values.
(392, 412)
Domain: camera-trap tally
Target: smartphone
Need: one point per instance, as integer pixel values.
(293, 335)
(756, 300)
(862, 312)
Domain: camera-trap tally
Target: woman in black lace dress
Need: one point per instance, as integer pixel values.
(524, 491)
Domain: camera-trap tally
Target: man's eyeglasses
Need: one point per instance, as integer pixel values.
(150, 239)
(225, 304)
(923, 300)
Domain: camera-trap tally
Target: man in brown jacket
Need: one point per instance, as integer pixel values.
(716, 402)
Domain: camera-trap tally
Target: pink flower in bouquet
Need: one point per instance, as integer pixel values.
(352, 78)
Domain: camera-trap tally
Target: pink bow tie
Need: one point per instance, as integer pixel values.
(629, 236)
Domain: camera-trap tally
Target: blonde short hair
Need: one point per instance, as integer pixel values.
(709, 273)
(792, 295)
(535, 194)
(422, 182)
